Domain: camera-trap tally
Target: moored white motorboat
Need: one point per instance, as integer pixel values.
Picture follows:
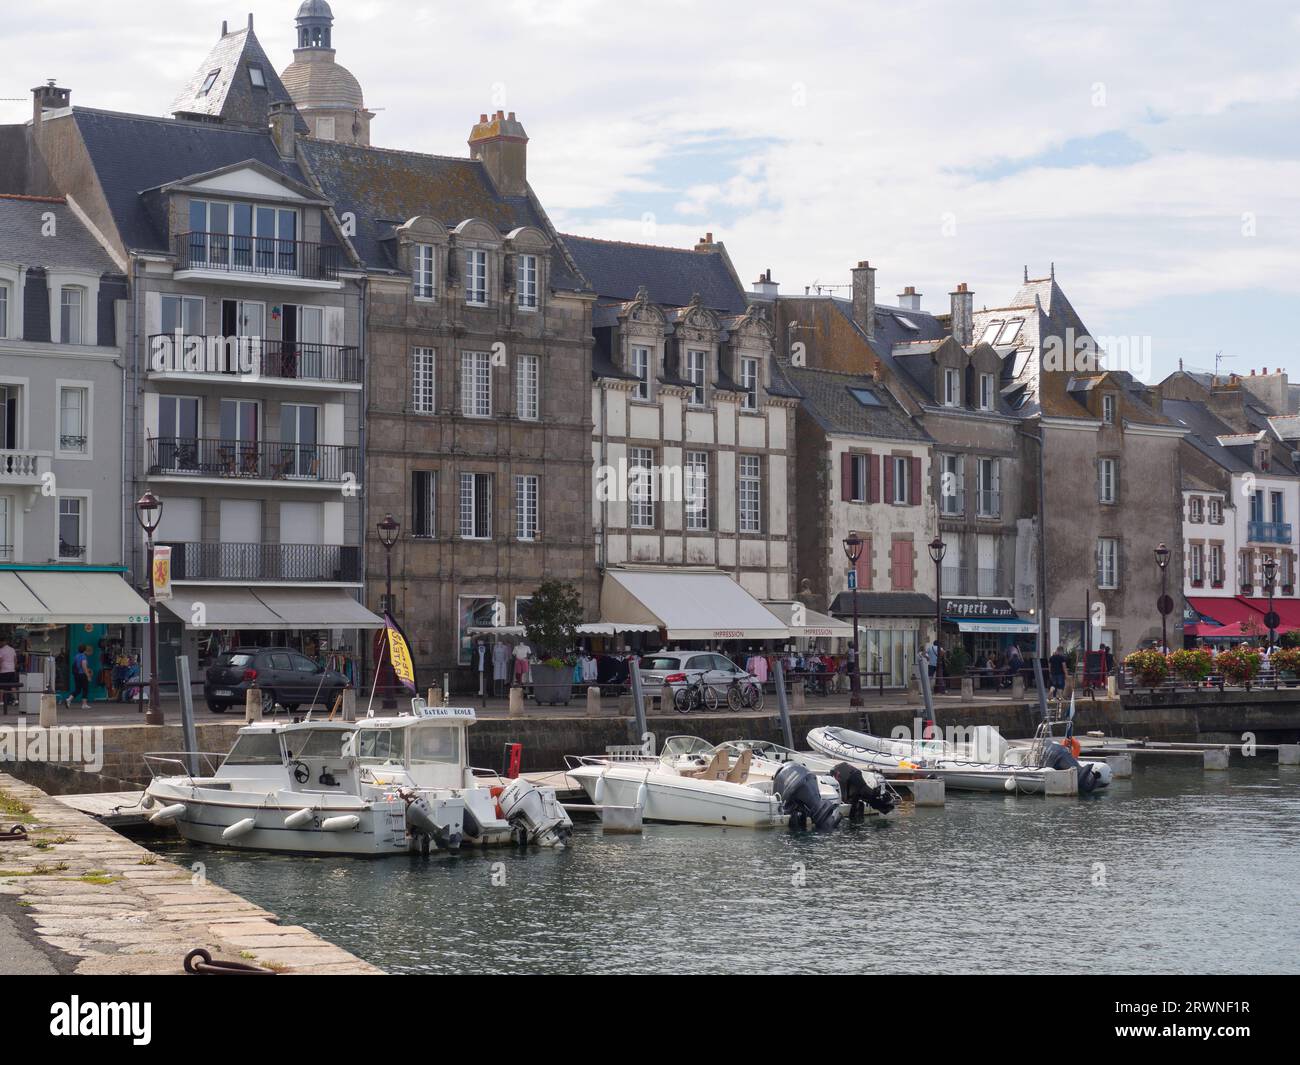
(694, 782)
(986, 764)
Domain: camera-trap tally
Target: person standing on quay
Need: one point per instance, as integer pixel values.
(1056, 665)
(80, 679)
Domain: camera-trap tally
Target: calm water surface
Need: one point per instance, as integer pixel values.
(1176, 870)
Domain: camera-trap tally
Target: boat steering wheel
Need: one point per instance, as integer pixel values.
(300, 771)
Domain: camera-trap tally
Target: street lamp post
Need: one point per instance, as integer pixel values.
(1164, 604)
(388, 529)
(853, 545)
(1270, 575)
(937, 550)
(148, 512)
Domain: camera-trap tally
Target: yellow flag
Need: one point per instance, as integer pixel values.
(399, 655)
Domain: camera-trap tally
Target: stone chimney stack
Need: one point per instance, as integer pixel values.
(864, 297)
(963, 315)
(909, 299)
(48, 97)
(765, 288)
(283, 116)
(502, 145)
(706, 243)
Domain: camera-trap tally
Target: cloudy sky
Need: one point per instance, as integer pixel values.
(1150, 150)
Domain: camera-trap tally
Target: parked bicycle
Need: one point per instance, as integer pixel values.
(696, 695)
(745, 695)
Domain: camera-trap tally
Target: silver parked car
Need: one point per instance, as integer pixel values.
(678, 668)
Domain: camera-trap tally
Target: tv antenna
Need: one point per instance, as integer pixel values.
(1218, 358)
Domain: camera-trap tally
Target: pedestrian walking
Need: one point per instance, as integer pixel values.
(8, 672)
(1056, 666)
(80, 678)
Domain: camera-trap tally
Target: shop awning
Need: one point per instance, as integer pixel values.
(1226, 610)
(884, 605)
(68, 597)
(689, 604)
(590, 628)
(270, 609)
(999, 626)
(812, 624)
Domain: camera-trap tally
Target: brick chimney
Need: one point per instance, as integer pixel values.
(283, 115)
(909, 299)
(706, 243)
(864, 297)
(48, 97)
(963, 315)
(500, 142)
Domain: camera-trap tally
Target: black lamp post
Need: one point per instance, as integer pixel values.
(1163, 604)
(148, 512)
(853, 545)
(937, 550)
(1269, 566)
(388, 529)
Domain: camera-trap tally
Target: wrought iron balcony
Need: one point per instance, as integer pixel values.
(266, 562)
(180, 456)
(256, 358)
(265, 256)
(1269, 532)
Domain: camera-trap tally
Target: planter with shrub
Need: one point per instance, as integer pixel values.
(1193, 666)
(1150, 667)
(1239, 665)
(551, 619)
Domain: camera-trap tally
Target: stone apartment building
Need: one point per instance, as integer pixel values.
(684, 383)
(244, 388)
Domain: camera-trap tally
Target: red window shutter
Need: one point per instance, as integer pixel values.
(889, 478)
(873, 478)
(916, 481)
(846, 477)
(902, 565)
(863, 565)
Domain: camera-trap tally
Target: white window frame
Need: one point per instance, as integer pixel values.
(6, 304)
(83, 498)
(749, 481)
(749, 382)
(424, 380)
(1196, 563)
(424, 271)
(1107, 481)
(1216, 566)
(988, 475)
(951, 387)
(431, 502)
(696, 483)
(66, 319)
(641, 369)
(1108, 408)
(468, 506)
(87, 419)
(859, 477)
(527, 494)
(902, 479)
(986, 391)
(951, 505)
(528, 378)
(476, 277)
(1196, 510)
(476, 384)
(1215, 511)
(697, 371)
(1107, 563)
(527, 272)
(642, 489)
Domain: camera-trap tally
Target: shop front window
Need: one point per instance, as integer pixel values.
(476, 612)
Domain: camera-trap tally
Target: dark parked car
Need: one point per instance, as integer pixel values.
(284, 676)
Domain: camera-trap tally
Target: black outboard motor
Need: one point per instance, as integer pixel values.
(801, 798)
(1059, 757)
(857, 793)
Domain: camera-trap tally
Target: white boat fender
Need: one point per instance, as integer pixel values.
(239, 828)
(598, 797)
(168, 814)
(299, 817)
(642, 796)
(340, 823)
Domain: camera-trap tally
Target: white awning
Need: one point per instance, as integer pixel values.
(69, 597)
(590, 628)
(689, 604)
(811, 623)
(1008, 628)
(270, 609)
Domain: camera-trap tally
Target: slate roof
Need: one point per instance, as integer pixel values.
(23, 240)
(1204, 430)
(135, 153)
(672, 276)
(826, 397)
(893, 324)
(884, 605)
(233, 97)
(386, 188)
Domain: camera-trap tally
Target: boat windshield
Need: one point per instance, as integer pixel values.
(686, 746)
(319, 743)
(773, 752)
(381, 746)
(435, 744)
(255, 748)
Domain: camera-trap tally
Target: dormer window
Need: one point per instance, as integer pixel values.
(951, 388)
(526, 282)
(476, 282)
(1108, 409)
(257, 76)
(641, 369)
(1197, 513)
(695, 373)
(1216, 511)
(71, 316)
(423, 258)
(749, 382)
(986, 391)
(209, 82)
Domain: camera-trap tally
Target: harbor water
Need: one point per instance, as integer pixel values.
(1176, 870)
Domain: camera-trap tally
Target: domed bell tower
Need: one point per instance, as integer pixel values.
(326, 94)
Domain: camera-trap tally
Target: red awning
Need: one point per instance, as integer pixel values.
(1232, 613)
(1227, 610)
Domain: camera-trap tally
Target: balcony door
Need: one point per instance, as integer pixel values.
(299, 440)
(302, 532)
(239, 449)
(241, 537)
(10, 405)
(304, 335)
(178, 433)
